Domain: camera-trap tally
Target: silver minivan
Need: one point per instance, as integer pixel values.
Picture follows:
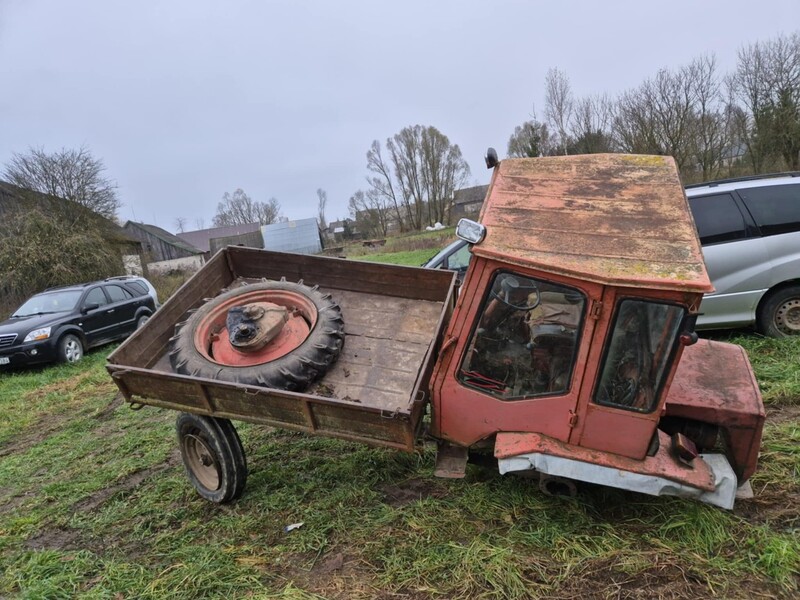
(750, 232)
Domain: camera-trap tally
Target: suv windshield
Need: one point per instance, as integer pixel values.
(51, 302)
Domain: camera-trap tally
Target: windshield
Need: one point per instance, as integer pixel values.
(52, 302)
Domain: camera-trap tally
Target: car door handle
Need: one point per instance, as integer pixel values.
(108, 312)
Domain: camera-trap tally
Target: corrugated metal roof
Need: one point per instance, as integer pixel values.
(300, 236)
(201, 238)
(609, 218)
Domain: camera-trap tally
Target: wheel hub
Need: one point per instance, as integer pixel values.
(201, 461)
(787, 317)
(255, 328)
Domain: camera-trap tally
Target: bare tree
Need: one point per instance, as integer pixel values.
(322, 197)
(240, 209)
(381, 187)
(371, 211)
(67, 173)
(711, 124)
(590, 125)
(767, 83)
(558, 105)
(200, 223)
(531, 139)
(657, 117)
(421, 176)
(180, 224)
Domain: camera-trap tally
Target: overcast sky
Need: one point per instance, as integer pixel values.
(185, 100)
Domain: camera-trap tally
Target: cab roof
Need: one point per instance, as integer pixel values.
(614, 219)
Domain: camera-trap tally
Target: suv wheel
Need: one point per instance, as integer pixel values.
(779, 314)
(70, 349)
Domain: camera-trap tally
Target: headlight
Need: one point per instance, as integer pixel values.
(37, 335)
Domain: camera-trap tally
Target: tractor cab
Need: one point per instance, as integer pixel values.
(581, 296)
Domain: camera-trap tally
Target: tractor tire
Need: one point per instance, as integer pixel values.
(191, 354)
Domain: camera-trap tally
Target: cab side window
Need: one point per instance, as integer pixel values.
(642, 341)
(96, 296)
(526, 339)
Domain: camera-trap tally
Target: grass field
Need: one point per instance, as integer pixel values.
(94, 503)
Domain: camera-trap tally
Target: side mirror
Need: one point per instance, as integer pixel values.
(470, 231)
(90, 306)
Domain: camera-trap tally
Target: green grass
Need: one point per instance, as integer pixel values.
(775, 362)
(413, 258)
(94, 503)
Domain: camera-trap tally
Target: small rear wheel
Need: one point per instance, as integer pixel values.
(213, 456)
(779, 314)
(141, 321)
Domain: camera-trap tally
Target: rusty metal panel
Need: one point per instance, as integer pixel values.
(715, 383)
(609, 218)
(662, 464)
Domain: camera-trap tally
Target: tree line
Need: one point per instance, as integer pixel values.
(714, 124)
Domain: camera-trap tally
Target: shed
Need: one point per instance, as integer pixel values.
(300, 236)
(159, 244)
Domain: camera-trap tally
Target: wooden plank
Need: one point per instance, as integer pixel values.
(343, 274)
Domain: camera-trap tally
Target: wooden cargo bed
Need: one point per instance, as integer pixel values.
(394, 318)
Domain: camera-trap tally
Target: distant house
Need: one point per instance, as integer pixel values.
(201, 238)
(159, 244)
(301, 236)
(467, 202)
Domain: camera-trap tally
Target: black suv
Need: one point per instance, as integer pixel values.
(60, 323)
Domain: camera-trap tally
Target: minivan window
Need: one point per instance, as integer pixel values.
(775, 208)
(718, 219)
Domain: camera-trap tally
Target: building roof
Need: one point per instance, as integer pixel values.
(164, 236)
(201, 238)
(609, 218)
(470, 195)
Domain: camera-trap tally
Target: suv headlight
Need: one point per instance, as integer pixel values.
(37, 335)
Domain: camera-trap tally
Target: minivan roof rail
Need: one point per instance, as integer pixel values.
(745, 178)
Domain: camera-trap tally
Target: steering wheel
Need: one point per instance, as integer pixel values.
(510, 285)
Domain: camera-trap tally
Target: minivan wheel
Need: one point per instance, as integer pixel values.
(779, 314)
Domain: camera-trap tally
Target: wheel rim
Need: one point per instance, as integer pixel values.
(72, 351)
(201, 461)
(142, 321)
(211, 336)
(787, 317)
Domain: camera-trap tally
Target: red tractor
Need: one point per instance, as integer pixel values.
(568, 352)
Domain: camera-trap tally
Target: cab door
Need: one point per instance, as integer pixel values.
(514, 356)
(620, 411)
